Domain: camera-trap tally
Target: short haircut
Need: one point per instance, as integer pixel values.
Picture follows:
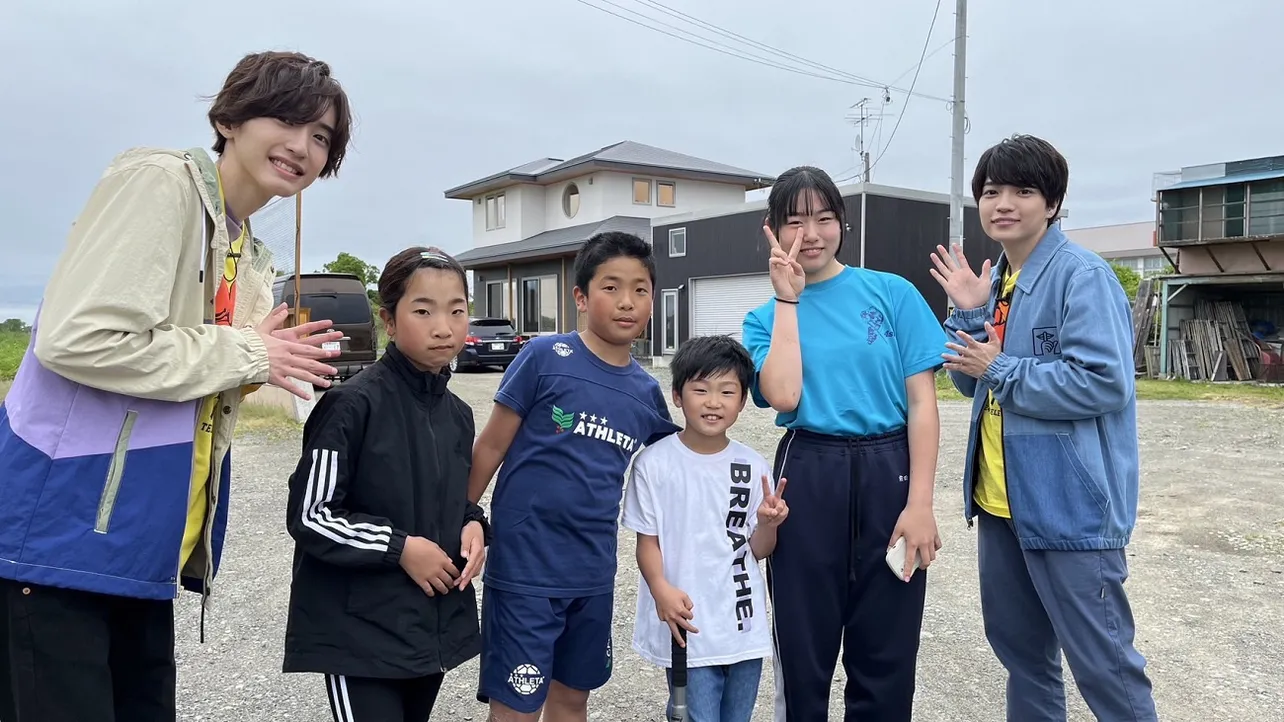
(704, 356)
(797, 183)
(289, 87)
(401, 267)
(608, 245)
(1024, 161)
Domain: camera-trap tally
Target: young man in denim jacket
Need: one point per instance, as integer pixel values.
(1044, 348)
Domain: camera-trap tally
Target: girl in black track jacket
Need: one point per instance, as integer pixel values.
(386, 542)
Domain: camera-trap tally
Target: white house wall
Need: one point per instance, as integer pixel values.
(617, 196)
(531, 209)
(512, 230)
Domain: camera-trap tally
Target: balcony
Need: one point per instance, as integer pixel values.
(1243, 208)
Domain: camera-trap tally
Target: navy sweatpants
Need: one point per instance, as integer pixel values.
(1036, 604)
(829, 583)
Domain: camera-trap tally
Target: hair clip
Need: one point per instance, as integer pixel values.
(433, 256)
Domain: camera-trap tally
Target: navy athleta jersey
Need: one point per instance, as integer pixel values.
(556, 504)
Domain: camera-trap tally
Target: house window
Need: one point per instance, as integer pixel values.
(642, 191)
(666, 194)
(495, 212)
(496, 299)
(677, 242)
(571, 200)
(1222, 212)
(669, 319)
(539, 305)
(1154, 264)
(1266, 208)
(1179, 215)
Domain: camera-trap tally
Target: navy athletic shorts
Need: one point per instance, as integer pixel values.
(528, 641)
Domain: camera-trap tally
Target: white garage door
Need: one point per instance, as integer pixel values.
(719, 305)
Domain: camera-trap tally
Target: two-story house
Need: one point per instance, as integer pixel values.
(529, 221)
(1221, 225)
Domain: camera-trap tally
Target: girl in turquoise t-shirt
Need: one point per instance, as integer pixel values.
(847, 357)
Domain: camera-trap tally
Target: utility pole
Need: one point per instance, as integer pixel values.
(958, 107)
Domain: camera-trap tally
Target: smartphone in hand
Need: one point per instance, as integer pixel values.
(896, 559)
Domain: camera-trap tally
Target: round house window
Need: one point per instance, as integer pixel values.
(571, 200)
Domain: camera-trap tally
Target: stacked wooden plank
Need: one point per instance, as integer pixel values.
(1182, 362)
(1144, 310)
(1237, 338)
(1216, 345)
(1152, 361)
(1205, 343)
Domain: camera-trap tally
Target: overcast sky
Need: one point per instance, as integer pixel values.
(1124, 88)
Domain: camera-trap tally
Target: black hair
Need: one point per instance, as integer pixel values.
(399, 269)
(797, 183)
(604, 246)
(704, 356)
(1024, 161)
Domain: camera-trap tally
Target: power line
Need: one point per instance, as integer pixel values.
(935, 50)
(922, 57)
(717, 47)
(731, 34)
(832, 74)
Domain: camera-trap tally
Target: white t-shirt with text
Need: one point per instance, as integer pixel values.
(703, 508)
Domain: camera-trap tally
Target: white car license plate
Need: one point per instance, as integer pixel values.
(330, 346)
(497, 347)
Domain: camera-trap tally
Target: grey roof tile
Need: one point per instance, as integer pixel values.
(640, 154)
(561, 240)
(628, 153)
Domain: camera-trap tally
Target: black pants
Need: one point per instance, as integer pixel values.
(81, 657)
(829, 581)
(7, 711)
(361, 699)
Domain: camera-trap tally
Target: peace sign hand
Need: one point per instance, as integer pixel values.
(773, 511)
(787, 277)
(966, 289)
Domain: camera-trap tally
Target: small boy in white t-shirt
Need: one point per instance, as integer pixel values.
(708, 502)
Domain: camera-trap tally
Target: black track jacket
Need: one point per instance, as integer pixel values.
(386, 455)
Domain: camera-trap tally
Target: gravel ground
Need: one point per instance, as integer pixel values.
(1207, 585)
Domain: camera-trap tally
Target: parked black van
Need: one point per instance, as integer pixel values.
(341, 298)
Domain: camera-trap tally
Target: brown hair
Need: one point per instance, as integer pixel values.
(290, 87)
(397, 272)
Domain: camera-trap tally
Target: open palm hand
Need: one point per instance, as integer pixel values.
(966, 289)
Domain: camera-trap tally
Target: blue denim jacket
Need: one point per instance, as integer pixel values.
(1065, 382)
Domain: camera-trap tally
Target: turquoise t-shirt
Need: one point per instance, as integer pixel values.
(863, 333)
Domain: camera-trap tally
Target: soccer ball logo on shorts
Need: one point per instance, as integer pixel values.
(526, 679)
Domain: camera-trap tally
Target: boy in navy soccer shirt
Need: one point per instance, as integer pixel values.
(570, 413)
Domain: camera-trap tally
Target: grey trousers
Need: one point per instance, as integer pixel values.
(1037, 604)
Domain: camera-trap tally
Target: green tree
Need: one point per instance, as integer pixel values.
(1128, 278)
(348, 263)
(368, 273)
(14, 325)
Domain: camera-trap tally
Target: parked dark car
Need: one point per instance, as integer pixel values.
(490, 342)
(341, 298)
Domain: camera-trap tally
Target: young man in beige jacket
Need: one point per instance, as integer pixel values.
(114, 439)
